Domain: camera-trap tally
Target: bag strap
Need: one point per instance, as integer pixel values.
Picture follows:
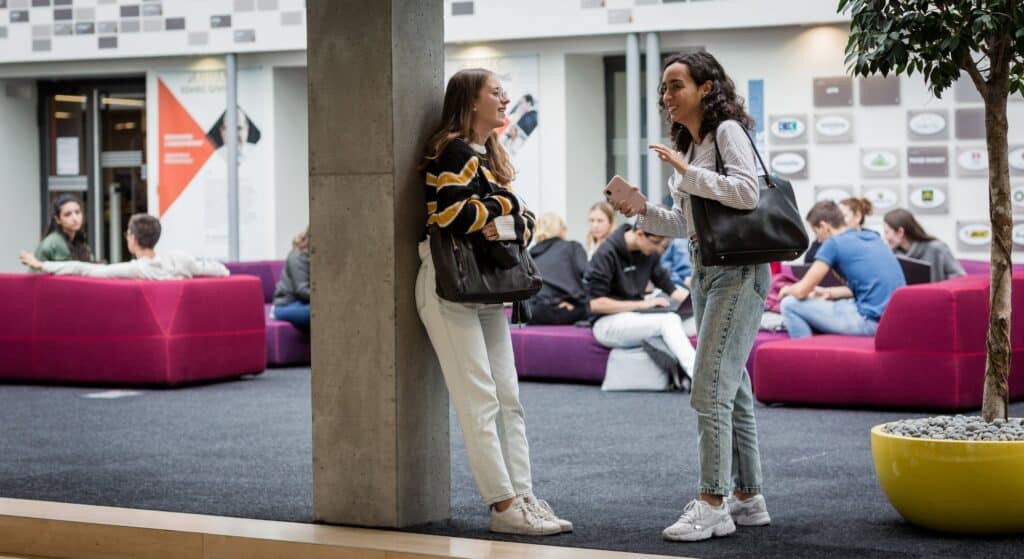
(720, 166)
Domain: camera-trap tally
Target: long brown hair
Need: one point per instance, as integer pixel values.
(79, 246)
(720, 104)
(912, 230)
(457, 122)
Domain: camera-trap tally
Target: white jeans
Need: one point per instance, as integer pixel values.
(629, 329)
(474, 347)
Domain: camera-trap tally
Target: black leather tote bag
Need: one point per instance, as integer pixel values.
(771, 232)
(471, 269)
(466, 271)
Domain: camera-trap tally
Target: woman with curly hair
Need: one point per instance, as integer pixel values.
(708, 118)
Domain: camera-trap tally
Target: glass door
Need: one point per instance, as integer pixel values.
(93, 141)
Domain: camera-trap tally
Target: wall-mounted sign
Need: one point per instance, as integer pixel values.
(928, 162)
(970, 124)
(882, 197)
(973, 235)
(833, 92)
(788, 129)
(930, 199)
(790, 164)
(879, 163)
(879, 90)
(927, 125)
(835, 193)
(964, 90)
(1017, 198)
(1017, 160)
(834, 128)
(971, 162)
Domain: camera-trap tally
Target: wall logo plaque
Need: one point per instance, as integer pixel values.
(1016, 160)
(927, 125)
(928, 161)
(788, 129)
(973, 235)
(929, 199)
(880, 163)
(972, 162)
(835, 193)
(883, 198)
(791, 164)
(833, 129)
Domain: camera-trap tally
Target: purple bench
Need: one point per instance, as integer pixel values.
(571, 353)
(286, 344)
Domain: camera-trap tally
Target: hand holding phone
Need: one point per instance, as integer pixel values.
(624, 197)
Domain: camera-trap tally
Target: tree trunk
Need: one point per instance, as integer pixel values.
(995, 401)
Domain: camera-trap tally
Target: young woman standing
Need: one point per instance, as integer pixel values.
(728, 301)
(468, 175)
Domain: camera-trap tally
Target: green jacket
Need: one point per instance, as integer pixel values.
(53, 248)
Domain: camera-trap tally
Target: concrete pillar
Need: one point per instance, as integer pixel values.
(652, 55)
(633, 108)
(380, 408)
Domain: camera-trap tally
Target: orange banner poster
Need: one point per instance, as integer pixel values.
(184, 148)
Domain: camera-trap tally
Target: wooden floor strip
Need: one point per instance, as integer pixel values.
(41, 529)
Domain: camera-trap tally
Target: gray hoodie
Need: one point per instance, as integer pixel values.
(936, 253)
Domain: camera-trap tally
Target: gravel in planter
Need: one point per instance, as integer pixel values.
(958, 428)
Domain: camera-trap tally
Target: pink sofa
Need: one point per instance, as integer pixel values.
(928, 353)
(286, 344)
(127, 332)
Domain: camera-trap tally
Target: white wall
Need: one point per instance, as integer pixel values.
(19, 160)
(291, 156)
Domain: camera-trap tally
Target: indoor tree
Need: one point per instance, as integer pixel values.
(940, 39)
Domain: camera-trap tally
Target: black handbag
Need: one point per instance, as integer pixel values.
(471, 269)
(466, 271)
(771, 232)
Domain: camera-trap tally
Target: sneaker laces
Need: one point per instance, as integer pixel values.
(539, 510)
(691, 512)
(533, 513)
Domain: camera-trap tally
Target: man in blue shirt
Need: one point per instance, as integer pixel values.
(872, 275)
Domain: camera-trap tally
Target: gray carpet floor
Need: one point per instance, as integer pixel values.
(620, 465)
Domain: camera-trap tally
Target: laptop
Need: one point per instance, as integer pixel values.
(831, 279)
(915, 271)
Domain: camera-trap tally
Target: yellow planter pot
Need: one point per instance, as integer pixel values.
(965, 487)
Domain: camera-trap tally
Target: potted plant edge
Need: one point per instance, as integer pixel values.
(957, 474)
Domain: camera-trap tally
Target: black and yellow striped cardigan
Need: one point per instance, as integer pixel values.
(463, 195)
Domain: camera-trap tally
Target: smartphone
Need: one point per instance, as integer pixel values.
(618, 190)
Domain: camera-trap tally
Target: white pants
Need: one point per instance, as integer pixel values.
(629, 329)
(474, 347)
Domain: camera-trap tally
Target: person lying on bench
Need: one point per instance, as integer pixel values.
(872, 275)
(142, 235)
(617, 278)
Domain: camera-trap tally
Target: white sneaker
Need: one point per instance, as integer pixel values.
(700, 521)
(749, 512)
(520, 519)
(542, 509)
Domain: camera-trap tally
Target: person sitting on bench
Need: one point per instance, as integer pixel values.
(142, 235)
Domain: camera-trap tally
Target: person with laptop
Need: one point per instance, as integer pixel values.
(906, 237)
(621, 315)
(860, 256)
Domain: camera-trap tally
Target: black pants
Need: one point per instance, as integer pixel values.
(545, 313)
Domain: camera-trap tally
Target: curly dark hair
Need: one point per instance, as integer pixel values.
(719, 105)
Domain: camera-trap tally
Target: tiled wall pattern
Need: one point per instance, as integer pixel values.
(42, 30)
(926, 155)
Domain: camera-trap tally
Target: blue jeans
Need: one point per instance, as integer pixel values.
(827, 317)
(295, 312)
(728, 302)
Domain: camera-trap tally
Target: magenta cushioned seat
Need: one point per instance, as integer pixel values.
(130, 332)
(977, 267)
(928, 353)
(286, 344)
(571, 352)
